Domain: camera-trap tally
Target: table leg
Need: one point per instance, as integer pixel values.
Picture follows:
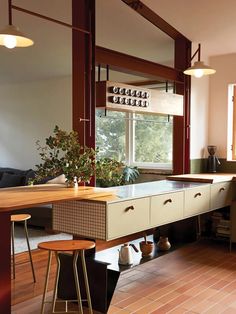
(5, 263)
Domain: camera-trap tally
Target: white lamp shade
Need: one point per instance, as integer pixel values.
(11, 37)
(199, 69)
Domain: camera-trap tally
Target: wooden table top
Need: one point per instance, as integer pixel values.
(29, 196)
(204, 177)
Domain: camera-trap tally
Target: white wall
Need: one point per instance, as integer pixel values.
(199, 117)
(225, 66)
(28, 112)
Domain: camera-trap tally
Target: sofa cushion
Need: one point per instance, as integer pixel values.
(10, 180)
(26, 174)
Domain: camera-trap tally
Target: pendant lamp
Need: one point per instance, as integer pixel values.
(10, 36)
(199, 68)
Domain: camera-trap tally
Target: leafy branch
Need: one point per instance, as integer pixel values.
(63, 154)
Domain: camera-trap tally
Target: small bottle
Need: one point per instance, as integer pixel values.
(115, 90)
(76, 185)
(121, 100)
(145, 103)
(140, 103)
(114, 99)
(132, 92)
(122, 91)
(126, 101)
(132, 102)
(138, 93)
(143, 94)
(127, 92)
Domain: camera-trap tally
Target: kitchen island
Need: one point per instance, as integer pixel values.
(138, 207)
(109, 213)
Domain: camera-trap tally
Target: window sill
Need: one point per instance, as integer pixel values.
(155, 171)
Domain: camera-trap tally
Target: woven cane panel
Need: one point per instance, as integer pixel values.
(82, 218)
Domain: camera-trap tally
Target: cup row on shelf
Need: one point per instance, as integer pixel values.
(129, 92)
(129, 101)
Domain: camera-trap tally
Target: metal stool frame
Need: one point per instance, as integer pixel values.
(77, 285)
(13, 249)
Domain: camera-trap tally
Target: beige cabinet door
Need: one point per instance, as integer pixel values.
(221, 194)
(166, 208)
(196, 201)
(124, 218)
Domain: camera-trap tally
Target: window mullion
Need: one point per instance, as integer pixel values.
(132, 138)
(234, 126)
(127, 139)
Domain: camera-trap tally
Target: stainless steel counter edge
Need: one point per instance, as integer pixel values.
(147, 189)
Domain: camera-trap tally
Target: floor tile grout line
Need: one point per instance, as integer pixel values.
(206, 289)
(197, 270)
(197, 285)
(219, 266)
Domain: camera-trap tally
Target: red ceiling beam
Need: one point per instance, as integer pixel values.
(181, 128)
(154, 18)
(136, 66)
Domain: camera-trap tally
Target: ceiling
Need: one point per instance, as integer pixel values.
(210, 22)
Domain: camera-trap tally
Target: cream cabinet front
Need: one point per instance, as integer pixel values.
(221, 194)
(197, 201)
(166, 208)
(127, 217)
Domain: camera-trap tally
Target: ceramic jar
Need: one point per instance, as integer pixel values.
(146, 248)
(163, 244)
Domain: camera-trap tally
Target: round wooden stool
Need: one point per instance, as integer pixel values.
(20, 218)
(75, 246)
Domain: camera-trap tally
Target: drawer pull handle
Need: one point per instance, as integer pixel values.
(168, 201)
(197, 194)
(222, 189)
(129, 208)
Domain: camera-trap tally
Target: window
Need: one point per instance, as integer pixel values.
(231, 137)
(110, 134)
(136, 139)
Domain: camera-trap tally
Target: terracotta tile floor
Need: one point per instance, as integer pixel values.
(198, 278)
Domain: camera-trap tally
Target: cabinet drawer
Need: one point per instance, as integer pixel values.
(127, 217)
(221, 194)
(166, 208)
(197, 201)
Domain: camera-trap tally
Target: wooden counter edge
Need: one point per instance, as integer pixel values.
(189, 179)
(204, 177)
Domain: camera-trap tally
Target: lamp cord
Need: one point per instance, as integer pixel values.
(198, 51)
(9, 12)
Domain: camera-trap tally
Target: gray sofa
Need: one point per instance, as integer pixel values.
(41, 216)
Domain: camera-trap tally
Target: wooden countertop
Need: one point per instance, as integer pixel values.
(28, 196)
(204, 177)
